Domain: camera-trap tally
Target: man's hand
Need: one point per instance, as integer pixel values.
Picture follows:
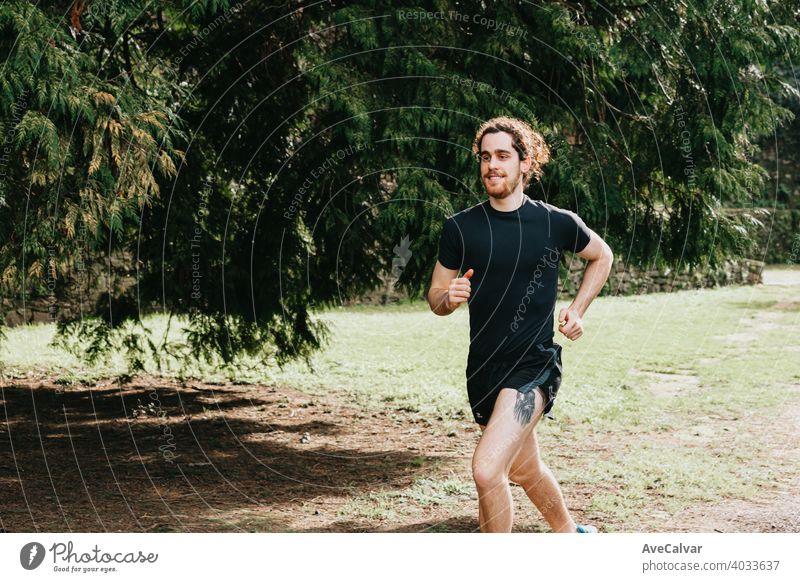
(600, 257)
(570, 323)
(459, 290)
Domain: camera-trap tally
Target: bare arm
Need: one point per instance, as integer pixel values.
(600, 258)
(447, 291)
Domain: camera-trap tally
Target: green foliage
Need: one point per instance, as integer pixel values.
(241, 165)
(86, 153)
(777, 237)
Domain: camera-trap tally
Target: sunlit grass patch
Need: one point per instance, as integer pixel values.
(412, 501)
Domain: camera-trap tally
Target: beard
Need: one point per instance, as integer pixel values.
(500, 195)
(507, 190)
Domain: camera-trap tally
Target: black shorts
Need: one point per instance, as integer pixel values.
(539, 368)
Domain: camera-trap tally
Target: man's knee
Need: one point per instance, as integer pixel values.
(488, 475)
(527, 473)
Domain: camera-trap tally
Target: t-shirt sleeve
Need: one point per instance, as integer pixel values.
(450, 245)
(569, 230)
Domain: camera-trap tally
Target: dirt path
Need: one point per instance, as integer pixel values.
(255, 458)
(202, 457)
(776, 508)
(781, 277)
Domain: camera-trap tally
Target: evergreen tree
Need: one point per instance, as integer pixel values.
(248, 164)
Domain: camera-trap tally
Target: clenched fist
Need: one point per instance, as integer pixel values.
(459, 290)
(570, 323)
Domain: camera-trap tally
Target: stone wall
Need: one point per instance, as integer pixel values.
(634, 281)
(622, 280)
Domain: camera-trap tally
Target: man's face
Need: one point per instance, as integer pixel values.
(501, 169)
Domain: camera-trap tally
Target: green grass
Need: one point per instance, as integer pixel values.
(390, 504)
(742, 344)
(404, 357)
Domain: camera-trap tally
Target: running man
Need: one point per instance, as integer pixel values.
(509, 247)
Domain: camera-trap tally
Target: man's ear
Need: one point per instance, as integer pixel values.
(525, 165)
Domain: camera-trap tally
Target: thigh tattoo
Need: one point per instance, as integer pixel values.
(525, 406)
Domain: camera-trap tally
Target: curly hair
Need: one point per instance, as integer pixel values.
(525, 140)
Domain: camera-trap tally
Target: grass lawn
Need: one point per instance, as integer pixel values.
(668, 401)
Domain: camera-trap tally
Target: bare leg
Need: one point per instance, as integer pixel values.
(535, 477)
(530, 472)
(514, 416)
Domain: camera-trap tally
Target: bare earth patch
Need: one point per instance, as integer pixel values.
(155, 455)
(781, 277)
(666, 385)
(208, 457)
(745, 337)
(755, 325)
(776, 508)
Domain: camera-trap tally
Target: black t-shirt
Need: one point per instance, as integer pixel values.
(515, 256)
